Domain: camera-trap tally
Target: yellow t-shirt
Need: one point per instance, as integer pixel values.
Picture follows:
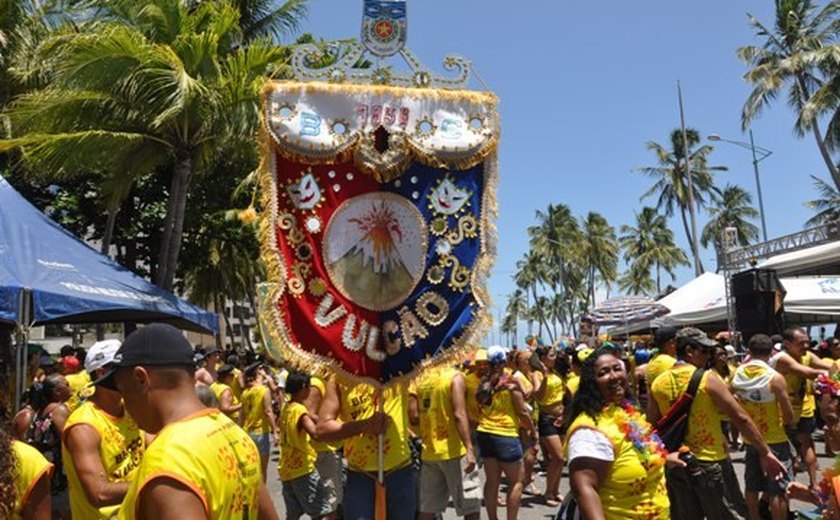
(253, 411)
(360, 402)
(801, 392)
(31, 466)
(120, 450)
(553, 390)
(499, 417)
(219, 389)
(297, 456)
(657, 366)
(472, 382)
(438, 429)
(212, 456)
(634, 488)
(78, 384)
(572, 383)
(765, 414)
(704, 436)
(322, 446)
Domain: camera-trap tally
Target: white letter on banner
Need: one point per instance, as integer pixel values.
(310, 124)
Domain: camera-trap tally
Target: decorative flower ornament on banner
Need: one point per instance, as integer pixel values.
(377, 222)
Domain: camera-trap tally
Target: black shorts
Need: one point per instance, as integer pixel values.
(805, 425)
(546, 426)
(754, 479)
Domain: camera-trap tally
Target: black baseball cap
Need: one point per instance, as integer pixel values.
(224, 370)
(664, 334)
(157, 344)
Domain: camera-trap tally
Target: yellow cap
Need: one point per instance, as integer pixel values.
(584, 353)
(480, 355)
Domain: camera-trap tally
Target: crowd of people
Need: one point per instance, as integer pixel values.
(152, 428)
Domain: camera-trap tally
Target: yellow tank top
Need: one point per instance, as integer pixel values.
(212, 456)
(657, 366)
(322, 446)
(472, 381)
(219, 389)
(704, 436)
(573, 383)
(634, 487)
(31, 466)
(438, 428)
(553, 390)
(254, 418)
(78, 384)
(801, 392)
(766, 415)
(528, 387)
(120, 450)
(499, 417)
(297, 456)
(359, 402)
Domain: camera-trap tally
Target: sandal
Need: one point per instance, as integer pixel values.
(550, 502)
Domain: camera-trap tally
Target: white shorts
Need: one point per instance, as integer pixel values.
(441, 479)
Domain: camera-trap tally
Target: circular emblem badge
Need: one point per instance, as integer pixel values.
(384, 30)
(375, 249)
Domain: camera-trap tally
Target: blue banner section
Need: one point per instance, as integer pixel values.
(443, 305)
(72, 283)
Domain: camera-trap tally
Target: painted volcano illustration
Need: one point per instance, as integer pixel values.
(375, 249)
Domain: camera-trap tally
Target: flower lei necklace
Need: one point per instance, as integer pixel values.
(638, 431)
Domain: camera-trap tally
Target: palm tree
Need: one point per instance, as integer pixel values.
(528, 275)
(827, 205)
(732, 208)
(515, 310)
(133, 96)
(636, 281)
(649, 245)
(599, 250)
(670, 187)
(786, 60)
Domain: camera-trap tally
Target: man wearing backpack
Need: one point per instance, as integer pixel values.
(698, 491)
(763, 394)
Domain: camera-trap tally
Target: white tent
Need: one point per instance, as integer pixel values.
(812, 295)
(703, 300)
(818, 259)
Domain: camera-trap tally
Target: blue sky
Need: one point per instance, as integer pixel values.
(583, 87)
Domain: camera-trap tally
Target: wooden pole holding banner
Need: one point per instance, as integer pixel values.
(380, 508)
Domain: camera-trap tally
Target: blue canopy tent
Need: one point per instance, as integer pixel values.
(47, 276)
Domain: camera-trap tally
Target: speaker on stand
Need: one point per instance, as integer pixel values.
(759, 297)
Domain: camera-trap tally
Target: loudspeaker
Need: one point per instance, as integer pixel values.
(758, 302)
(755, 280)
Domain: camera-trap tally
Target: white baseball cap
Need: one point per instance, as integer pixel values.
(101, 353)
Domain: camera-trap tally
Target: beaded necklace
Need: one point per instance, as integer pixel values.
(638, 431)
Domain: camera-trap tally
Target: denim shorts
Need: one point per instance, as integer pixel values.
(503, 449)
(400, 495)
(306, 495)
(263, 442)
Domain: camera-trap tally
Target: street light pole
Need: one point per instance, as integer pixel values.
(758, 187)
(764, 154)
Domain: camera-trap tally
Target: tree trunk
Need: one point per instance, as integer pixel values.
(105, 249)
(216, 306)
(174, 224)
(815, 129)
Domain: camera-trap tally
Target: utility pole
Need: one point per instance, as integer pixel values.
(690, 183)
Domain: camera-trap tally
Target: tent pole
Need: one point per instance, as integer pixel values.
(24, 322)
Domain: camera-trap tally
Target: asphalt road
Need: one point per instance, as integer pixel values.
(531, 508)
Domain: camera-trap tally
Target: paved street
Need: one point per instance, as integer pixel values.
(531, 508)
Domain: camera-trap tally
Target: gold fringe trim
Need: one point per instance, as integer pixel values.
(454, 159)
(278, 342)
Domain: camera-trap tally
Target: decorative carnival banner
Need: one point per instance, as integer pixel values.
(377, 219)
